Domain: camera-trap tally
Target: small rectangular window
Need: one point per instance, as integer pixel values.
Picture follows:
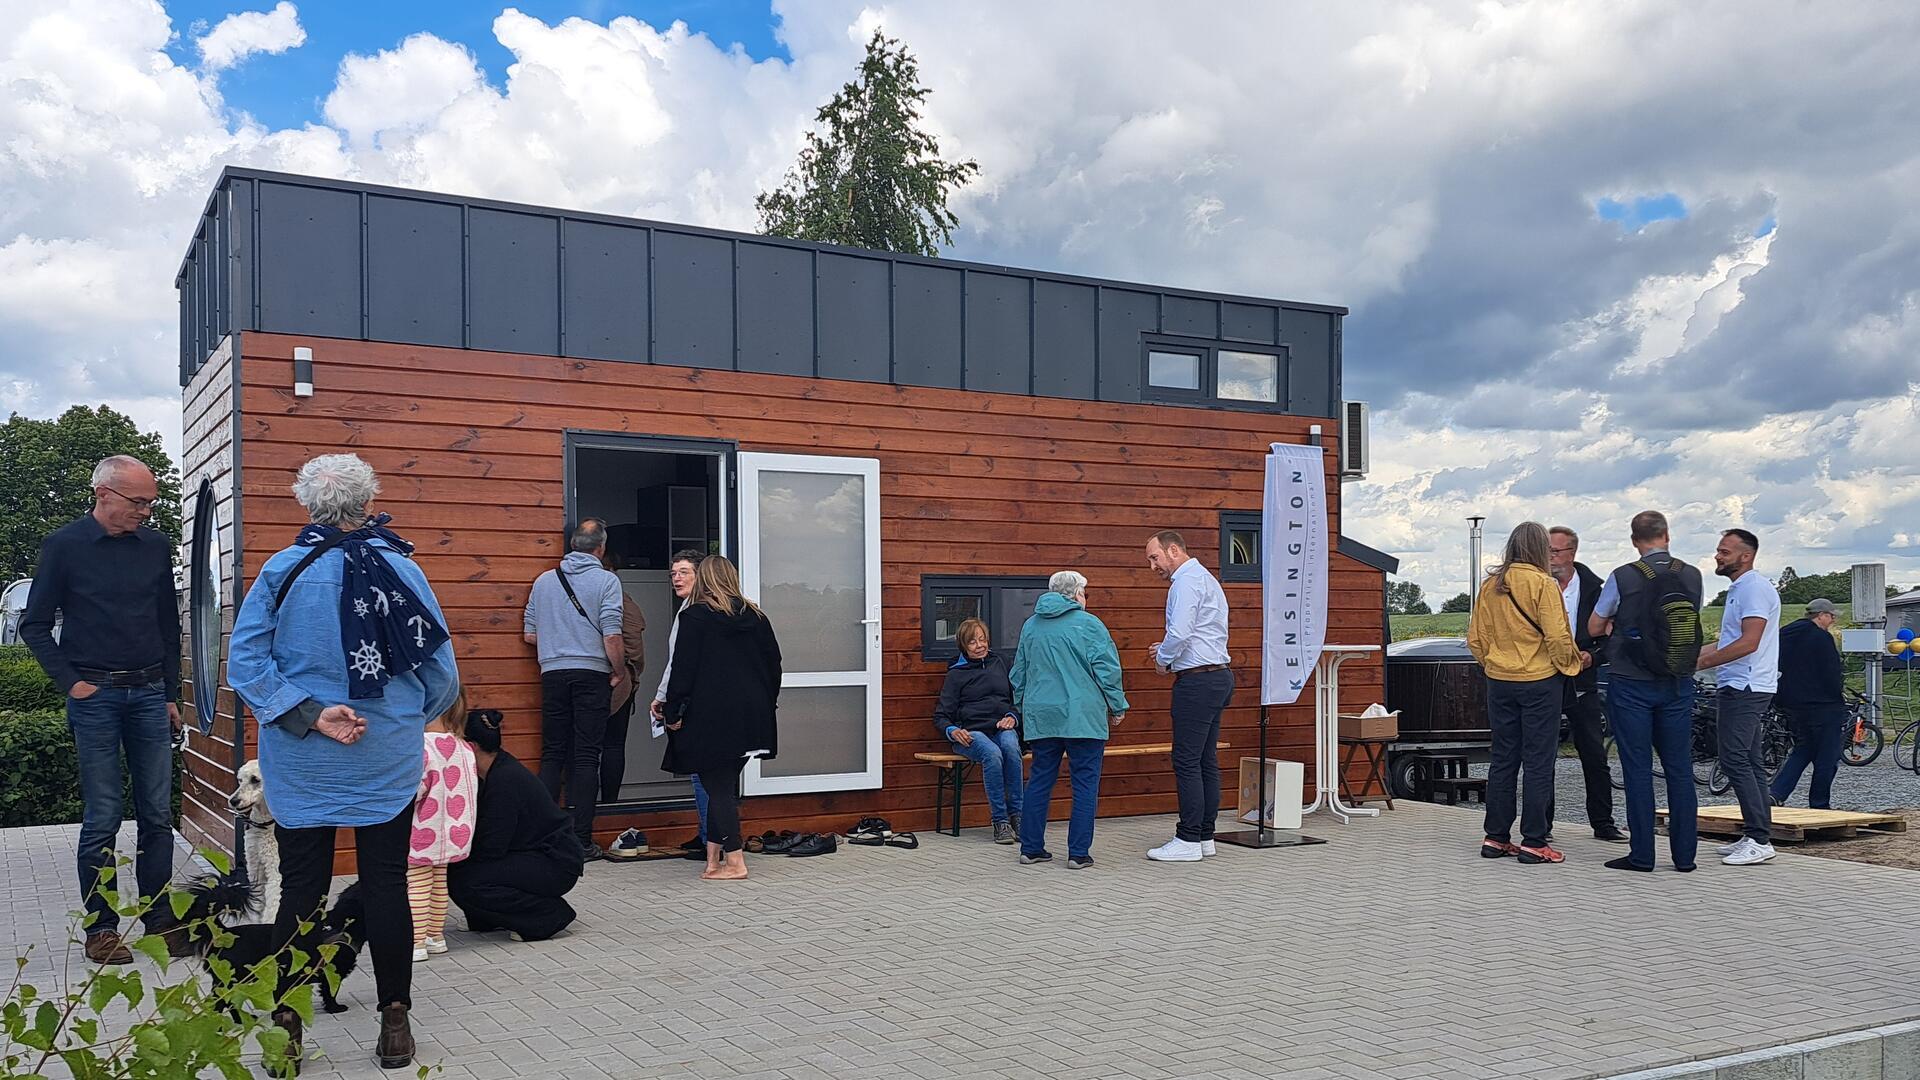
(1247, 376)
(1173, 370)
(1240, 545)
(950, 608)
(1003, 603)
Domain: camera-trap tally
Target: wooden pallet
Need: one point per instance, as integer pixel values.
(1794, 823)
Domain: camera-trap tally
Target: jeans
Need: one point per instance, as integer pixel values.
(573, 721)
(133, 719)
(1656, 715)
(1084, 757)
(1198, 700)
(700, 806)
(1819, 734)
(1525, 722)
(723, 806)
(998, 755)
(1742, 719)
(306, 876)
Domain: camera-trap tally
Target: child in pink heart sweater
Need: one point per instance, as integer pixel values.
(443, 814)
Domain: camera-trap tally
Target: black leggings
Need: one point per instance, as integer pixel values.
(723, 805)
(306, 876)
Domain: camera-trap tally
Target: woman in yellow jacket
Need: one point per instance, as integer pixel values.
(1521, 636)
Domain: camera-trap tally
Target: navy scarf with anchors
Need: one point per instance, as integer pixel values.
(384, 628)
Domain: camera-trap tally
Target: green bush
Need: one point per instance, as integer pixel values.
(40, 773)
(23, 685)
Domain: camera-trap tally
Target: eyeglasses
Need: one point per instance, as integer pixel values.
(138, 504)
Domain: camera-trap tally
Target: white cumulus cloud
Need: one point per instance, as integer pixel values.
(244, 33)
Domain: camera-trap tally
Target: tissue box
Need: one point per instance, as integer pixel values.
(1355, 726)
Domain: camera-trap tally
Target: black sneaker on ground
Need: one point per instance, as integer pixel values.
(1029, 860)
(1625, 863)
(591, 852)
(1610, 833)
(1079, 862)
(628, 845)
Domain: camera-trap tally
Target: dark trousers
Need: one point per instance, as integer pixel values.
(613, 751)
(1588, 723)
(1525, 718)
(132, 719)
(1742, 720)
(306, 876)
(1819, 734)
(573, 721)
(1198, 700)
(521, 891)
(723, 805)
(1652, 715)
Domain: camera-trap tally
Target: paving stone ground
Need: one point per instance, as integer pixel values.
(1391, 951)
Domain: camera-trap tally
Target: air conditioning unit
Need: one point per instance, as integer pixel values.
(1356, 440)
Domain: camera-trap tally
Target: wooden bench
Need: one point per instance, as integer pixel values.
(954, 769)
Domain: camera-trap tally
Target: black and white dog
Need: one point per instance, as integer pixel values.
(217, 899)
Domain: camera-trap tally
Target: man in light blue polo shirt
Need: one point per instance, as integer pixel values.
(1194, 649)
(1748, 656)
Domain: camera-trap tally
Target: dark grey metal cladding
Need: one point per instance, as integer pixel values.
(513, 281)
(605, 269)
(999, 333)
(416, 287)
(776, 310)
(927, 325)
(1066, 340)
(693, 314)
(856, 325)
(336, 259)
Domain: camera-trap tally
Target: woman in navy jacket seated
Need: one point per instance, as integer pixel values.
(976, 714)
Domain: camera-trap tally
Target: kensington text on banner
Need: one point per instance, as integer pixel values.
(1293, 570)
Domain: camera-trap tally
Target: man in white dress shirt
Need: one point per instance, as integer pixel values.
(1194, 650)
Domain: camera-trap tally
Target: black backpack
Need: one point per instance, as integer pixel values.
(1662, 622)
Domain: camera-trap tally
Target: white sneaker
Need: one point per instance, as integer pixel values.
(1178, 850)
(435, 945)
(419, 954)
(1207, 850)
(1728, 849)
(1753, 854)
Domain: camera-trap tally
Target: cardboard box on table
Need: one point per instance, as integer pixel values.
(1358, 726)
(1285, 781)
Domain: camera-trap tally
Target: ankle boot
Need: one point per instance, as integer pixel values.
(395, 1048)
(289, 1021)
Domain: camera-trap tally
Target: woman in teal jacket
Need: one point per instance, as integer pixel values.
(1066, 686)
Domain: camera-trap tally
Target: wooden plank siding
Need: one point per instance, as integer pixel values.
(469, 447)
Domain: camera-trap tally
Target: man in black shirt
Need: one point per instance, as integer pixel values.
(110, 579)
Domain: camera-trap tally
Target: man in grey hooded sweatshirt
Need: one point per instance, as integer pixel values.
(573, 621)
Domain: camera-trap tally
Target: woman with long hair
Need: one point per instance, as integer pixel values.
(721, 697)
(1520, 635)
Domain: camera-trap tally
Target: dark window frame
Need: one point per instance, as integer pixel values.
(1209, 351)
(1232, 521)
(995, 586)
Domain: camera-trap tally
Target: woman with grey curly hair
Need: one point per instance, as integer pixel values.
(342, 655)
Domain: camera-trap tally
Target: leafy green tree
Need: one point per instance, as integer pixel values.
(1419, 607)
(873, 178)
(1461, 603)
(1402, 596)
(47, 479)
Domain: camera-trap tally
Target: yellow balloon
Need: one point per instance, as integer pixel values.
(1896, 646)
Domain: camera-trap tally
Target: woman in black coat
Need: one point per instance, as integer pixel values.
(525, 856)
(720, 703)
(977, 716)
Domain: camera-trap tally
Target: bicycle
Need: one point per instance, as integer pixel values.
(1704, 747)
(1776, 742)
(1864, 739)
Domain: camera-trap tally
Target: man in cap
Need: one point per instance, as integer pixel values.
(1812, 697)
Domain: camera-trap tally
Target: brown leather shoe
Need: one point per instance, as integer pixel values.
(289, 1021)
(105, 947)
(395, 1048)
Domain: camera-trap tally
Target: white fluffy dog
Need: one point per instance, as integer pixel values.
(262, 845)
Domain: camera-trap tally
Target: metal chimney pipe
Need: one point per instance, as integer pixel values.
(1473, 563)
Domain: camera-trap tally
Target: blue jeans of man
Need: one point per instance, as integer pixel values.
(1084, 757)
(133, 720)
(998, 755)
(1819, 734)
(1649, 716)
(700, 806)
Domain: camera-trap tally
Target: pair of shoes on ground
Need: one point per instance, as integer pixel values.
(1178, 850)
(432, 946)
(1008, 831)
(1746, 851)
(892, 839)
(1074, 862)
(393, 1050)
(1531, 856)
(787, 842)
(628, 845)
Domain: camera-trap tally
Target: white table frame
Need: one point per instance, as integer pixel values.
(1326, 732)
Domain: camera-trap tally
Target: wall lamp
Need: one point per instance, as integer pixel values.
(302, 372)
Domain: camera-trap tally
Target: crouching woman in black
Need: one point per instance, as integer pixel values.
(525, 855)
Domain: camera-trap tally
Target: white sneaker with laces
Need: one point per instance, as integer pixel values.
(1207, 850)
(1728, 849)
(1752, 854)
(419, 954)
(1177, 850)
(435, 945)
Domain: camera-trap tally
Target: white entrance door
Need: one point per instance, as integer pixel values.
(810, 557)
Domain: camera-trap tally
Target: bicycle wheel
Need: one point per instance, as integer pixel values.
(1906, 747)
(1863, 745)
(1718, 782)
(1704, 770)
(1615, 774)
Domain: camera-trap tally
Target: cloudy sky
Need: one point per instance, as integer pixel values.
(1600, 257)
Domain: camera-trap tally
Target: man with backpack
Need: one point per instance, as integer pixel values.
(1649, 611)
(1748, 656)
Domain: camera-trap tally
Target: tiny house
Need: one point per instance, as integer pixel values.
(885, 444)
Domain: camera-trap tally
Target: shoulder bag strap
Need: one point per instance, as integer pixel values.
(561, 573)
(1524, 615)
(334, 541)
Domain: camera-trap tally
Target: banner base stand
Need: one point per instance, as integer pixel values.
(1266, 838)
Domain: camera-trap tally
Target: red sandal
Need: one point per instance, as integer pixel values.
(1545, 853)
(1497, 849)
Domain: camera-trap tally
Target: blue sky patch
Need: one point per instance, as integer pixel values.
(286, 90)
(1644, 210)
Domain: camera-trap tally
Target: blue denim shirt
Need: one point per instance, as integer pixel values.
(280, 658)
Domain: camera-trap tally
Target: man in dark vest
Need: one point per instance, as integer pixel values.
(1650, 711)
(1580, 589)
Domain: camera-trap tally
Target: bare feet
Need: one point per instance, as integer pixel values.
(733, 867)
